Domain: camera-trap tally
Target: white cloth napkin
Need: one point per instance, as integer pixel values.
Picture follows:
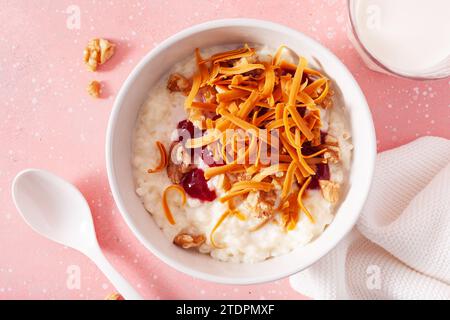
(400, 247)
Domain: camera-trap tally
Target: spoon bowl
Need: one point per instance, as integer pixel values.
(54, 208)
(58, 211)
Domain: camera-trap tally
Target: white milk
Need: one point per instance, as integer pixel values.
(410, 37)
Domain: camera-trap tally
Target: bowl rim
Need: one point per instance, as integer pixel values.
(113, 119)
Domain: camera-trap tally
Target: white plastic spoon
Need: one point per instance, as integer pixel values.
(57, 210)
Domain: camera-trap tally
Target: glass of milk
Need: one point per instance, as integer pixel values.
(409, 38)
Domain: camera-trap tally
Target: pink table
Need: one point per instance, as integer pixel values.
(48, 121)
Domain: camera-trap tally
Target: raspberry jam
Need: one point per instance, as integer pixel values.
(308, 149)
(323, 173)
(185, 130)
(195, 185)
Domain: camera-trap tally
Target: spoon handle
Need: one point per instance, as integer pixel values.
(118, 281)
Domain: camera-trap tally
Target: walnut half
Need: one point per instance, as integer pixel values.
(187, 241)
(330, 190)
(97, 52)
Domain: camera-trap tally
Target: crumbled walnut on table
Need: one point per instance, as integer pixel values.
(114, 296)
(97, 52)
(94, 88)
(187, 241)
(178, 83)
(330, 190)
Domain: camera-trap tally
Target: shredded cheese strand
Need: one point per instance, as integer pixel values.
(202, 68)
(287, 129)
(274, 169)
(206, 106)
(277, 56)
(296, 81)
(231, 95)
(264, 117)
(303, 126)
(199, 142)
(302, 161)
(248, 105)
(300, 200)
(323, 94)
(233, 194)
(287, 184)
(194, 90)
(163, 158)
(312, 88)
(270, 81)
(166, 208)
(254, 185)
(217, 225)
(240, 69)
(228, 55)
(279, 111)
(318, 153)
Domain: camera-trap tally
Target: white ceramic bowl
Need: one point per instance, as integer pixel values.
(134, 92)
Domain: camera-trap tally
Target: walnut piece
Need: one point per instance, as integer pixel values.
(223, 182)
(178, 83)
(317, 139)
(331, 140)
(328, 101)
(97, 52)
(346, 135)
(187, 241)
(94, 88)
(179, 162)
(330, 190)
(333, 153)
(262, 203)
(240, 176)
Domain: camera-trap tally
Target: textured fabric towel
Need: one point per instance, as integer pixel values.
(400, 247)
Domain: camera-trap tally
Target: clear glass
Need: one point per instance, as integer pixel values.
(439, 71)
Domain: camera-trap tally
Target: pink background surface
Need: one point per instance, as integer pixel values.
(48, 121)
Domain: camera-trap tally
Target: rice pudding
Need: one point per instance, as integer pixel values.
(242, 153)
